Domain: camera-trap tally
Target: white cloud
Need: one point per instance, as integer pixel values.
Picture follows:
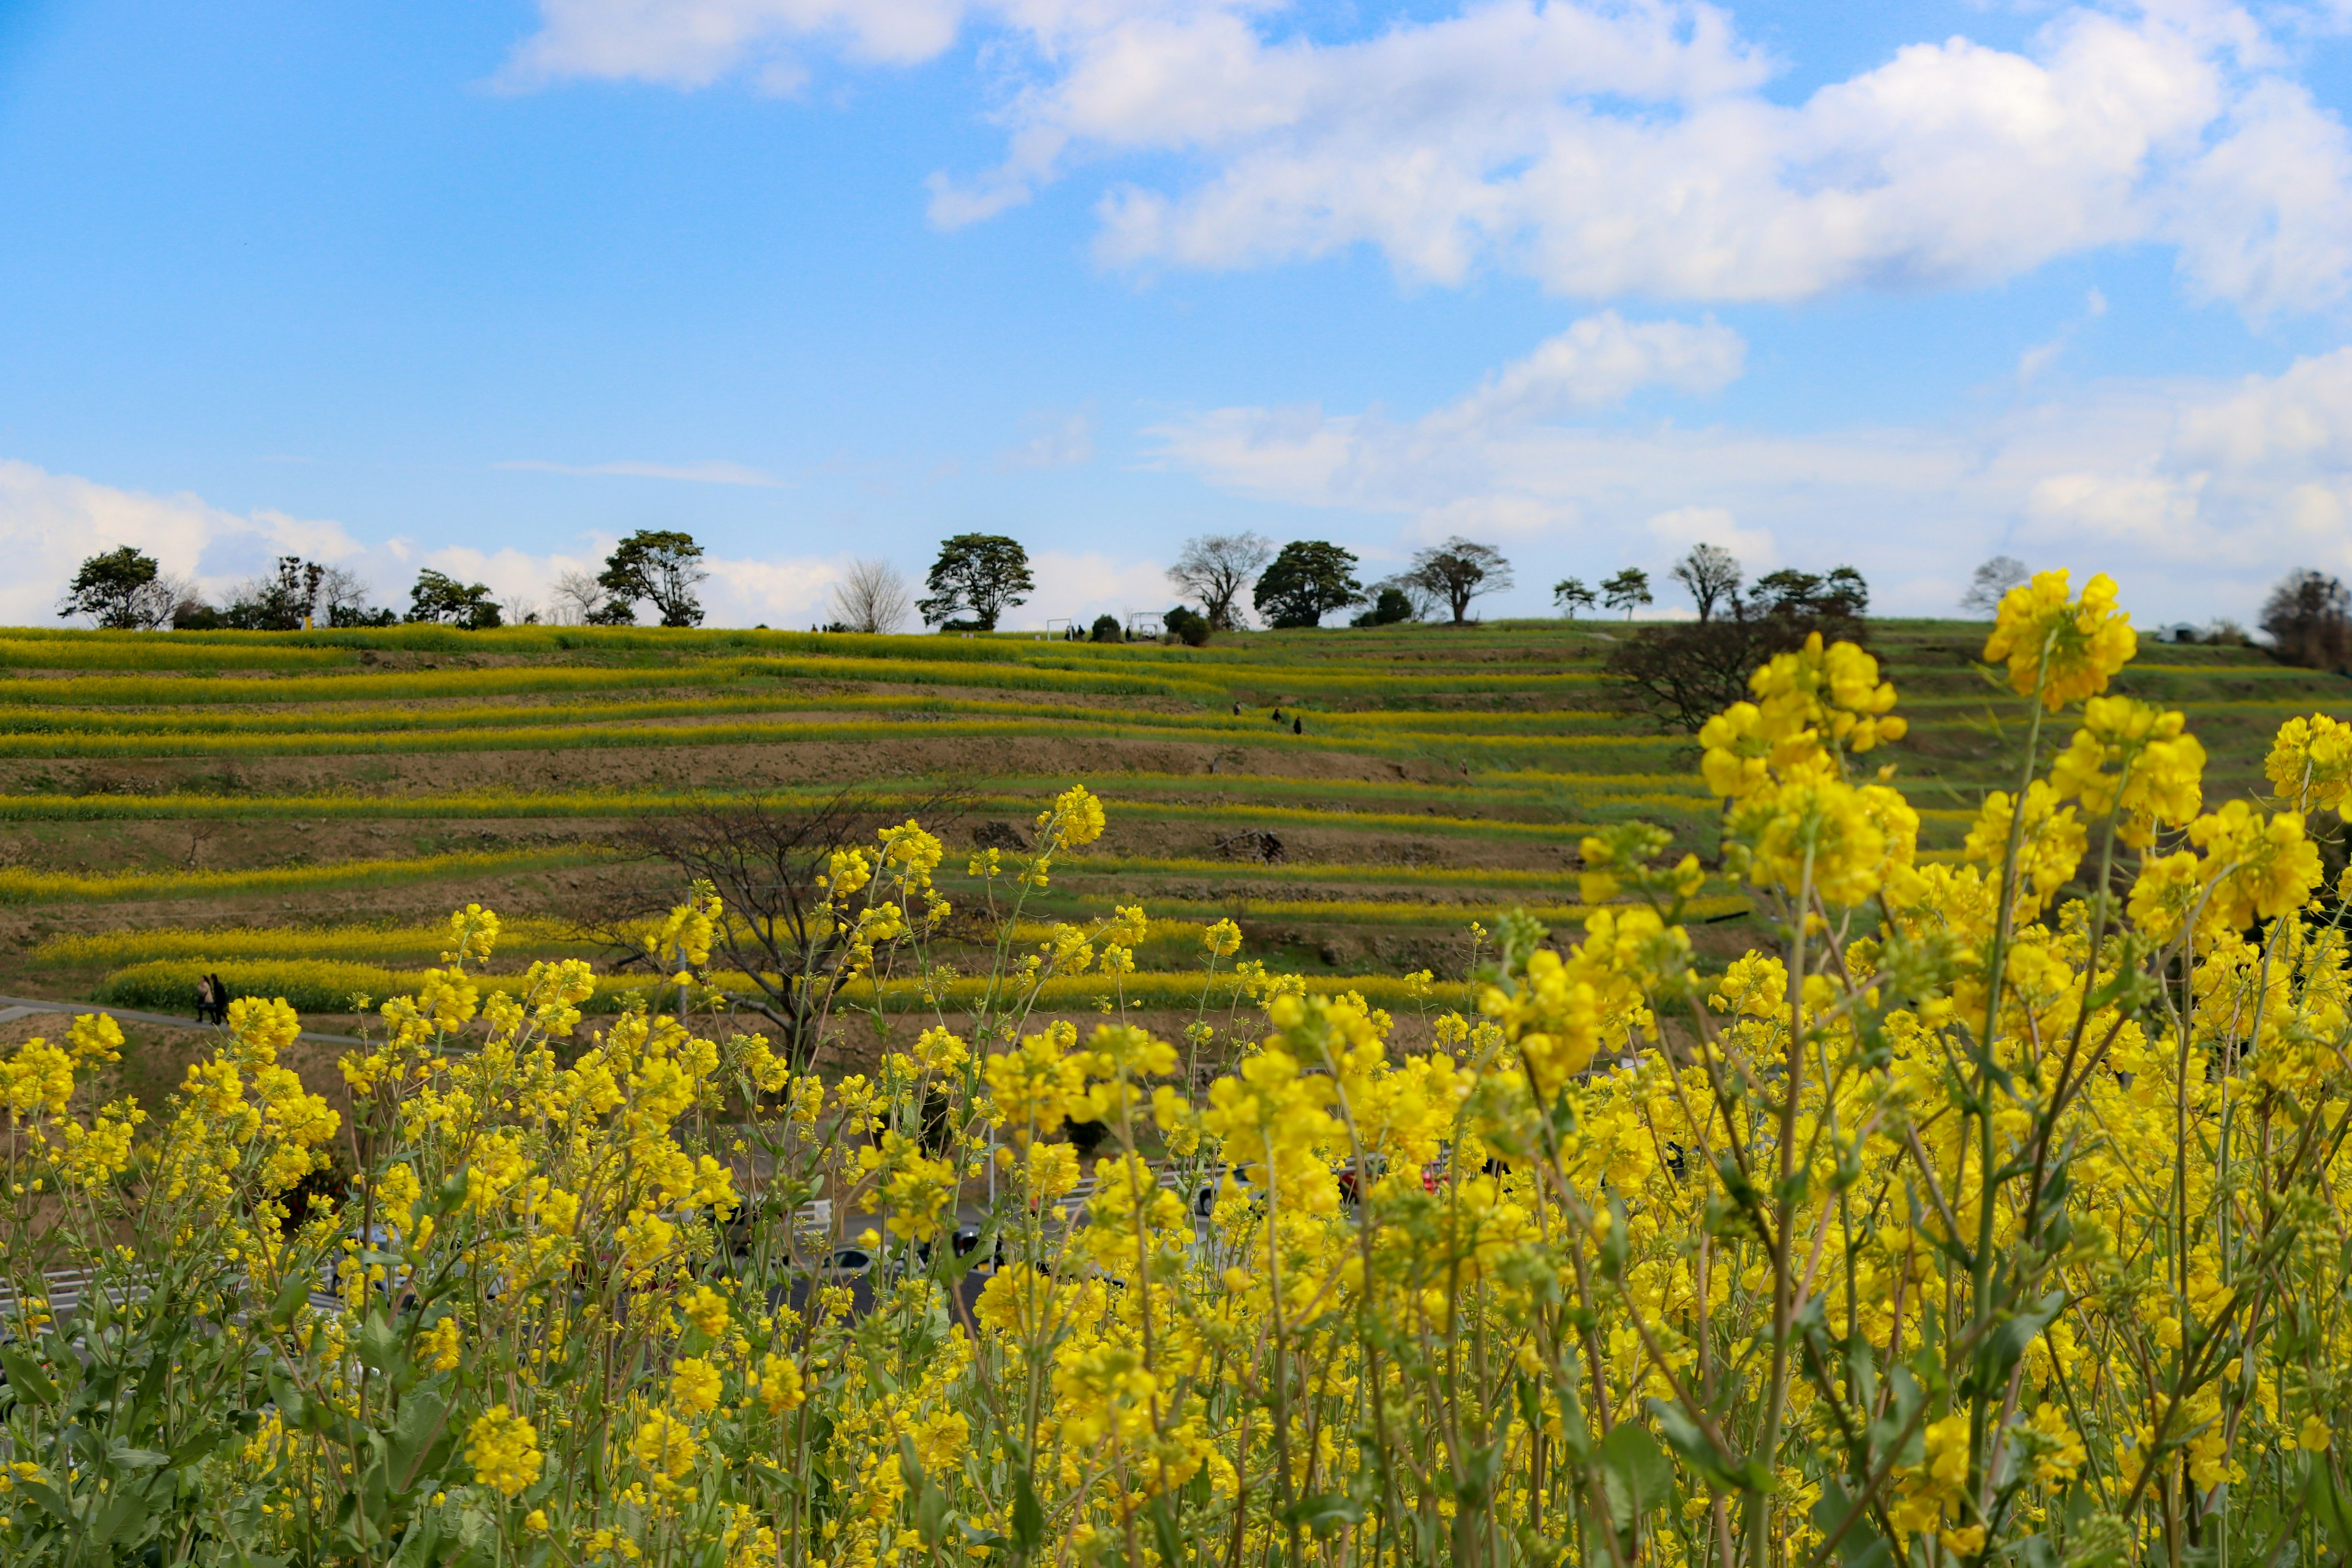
(2195, 496)
(1609, 150)
(1686, 526)
(1081, 586)
(1059, 443)
(692, 43)
(1600, 360)
(50, 522)
(707, 473)
(781, 593)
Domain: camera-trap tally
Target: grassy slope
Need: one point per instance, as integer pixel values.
(221, 778)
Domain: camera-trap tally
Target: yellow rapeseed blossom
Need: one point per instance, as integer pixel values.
(503, 1449)
(2057, 647)
(1074, 818)
(2310, 765)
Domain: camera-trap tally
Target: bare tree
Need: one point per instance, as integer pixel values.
(1712, 575)
(1456, 572)
(1216, 569)
(577, 598)
(1992, 580)
(872, 597)
(764, 862)
(163, 600)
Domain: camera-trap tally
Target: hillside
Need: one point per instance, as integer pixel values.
(355, 784)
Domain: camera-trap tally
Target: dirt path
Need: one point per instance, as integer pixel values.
(15, 1008)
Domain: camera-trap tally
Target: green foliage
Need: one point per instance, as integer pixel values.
(116, 590)
(1390, 608)
(660, 565)
(979, 576)
(1308, 579)
(447, 602)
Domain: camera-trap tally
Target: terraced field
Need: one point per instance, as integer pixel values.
(237, 802)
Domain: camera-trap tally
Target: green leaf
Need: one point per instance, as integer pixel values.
(377, 1344)
(1683, 1437)
(1861, 1546)
(417, 1547)
(1163, 1532)
(1635, 1476)
(290, 1297)
(2004, 1346)
(1323, 1514)
(422, 1414)
(1028, 1519)
(25, 1376)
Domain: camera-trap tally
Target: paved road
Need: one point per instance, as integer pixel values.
(15, 1008)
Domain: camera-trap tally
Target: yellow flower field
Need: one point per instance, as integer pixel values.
(1990, 1210)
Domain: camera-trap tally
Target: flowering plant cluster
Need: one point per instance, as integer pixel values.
(1994, 1214)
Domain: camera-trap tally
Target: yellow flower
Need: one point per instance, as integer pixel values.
(503, 1449)
(2310, 764)
(2264, 866)
(937, 1050)
(2314, 1434)
(781, 1387)
(38, 1078)
(2157, 769)
(95, 1037)
(2163, 894)
(1075, 818)
(695, 1386)
(707, 1309)
(2049, 846)
(1223, 939)
(2064, 649)
(665, 1445)
(440, 1344)
(1033, 1087)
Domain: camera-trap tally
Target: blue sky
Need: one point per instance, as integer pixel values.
(484, 286)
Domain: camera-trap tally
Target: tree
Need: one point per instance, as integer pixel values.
(447, 601)
(661, 564)
(283, 601)
(1842, 595)
(341, 599)
(1711, 575)
(1627, 591)
(1995, 578)
(1106, 629)
(1572, 595)
(1683, 673)
(1457, 571)
(1215, 567)
(2309, 618)
(1390, 604)
(981, 576)
(871, 597)
(1190, 628)
(578, 598)
(1308, 579)
(779, 941)
(119, 590)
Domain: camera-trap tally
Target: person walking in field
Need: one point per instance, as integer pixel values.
(204, 998)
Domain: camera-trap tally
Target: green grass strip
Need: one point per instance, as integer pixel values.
(318, 986)
(20, 652)
(380, 944)
(161, 690)
(20, 886)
